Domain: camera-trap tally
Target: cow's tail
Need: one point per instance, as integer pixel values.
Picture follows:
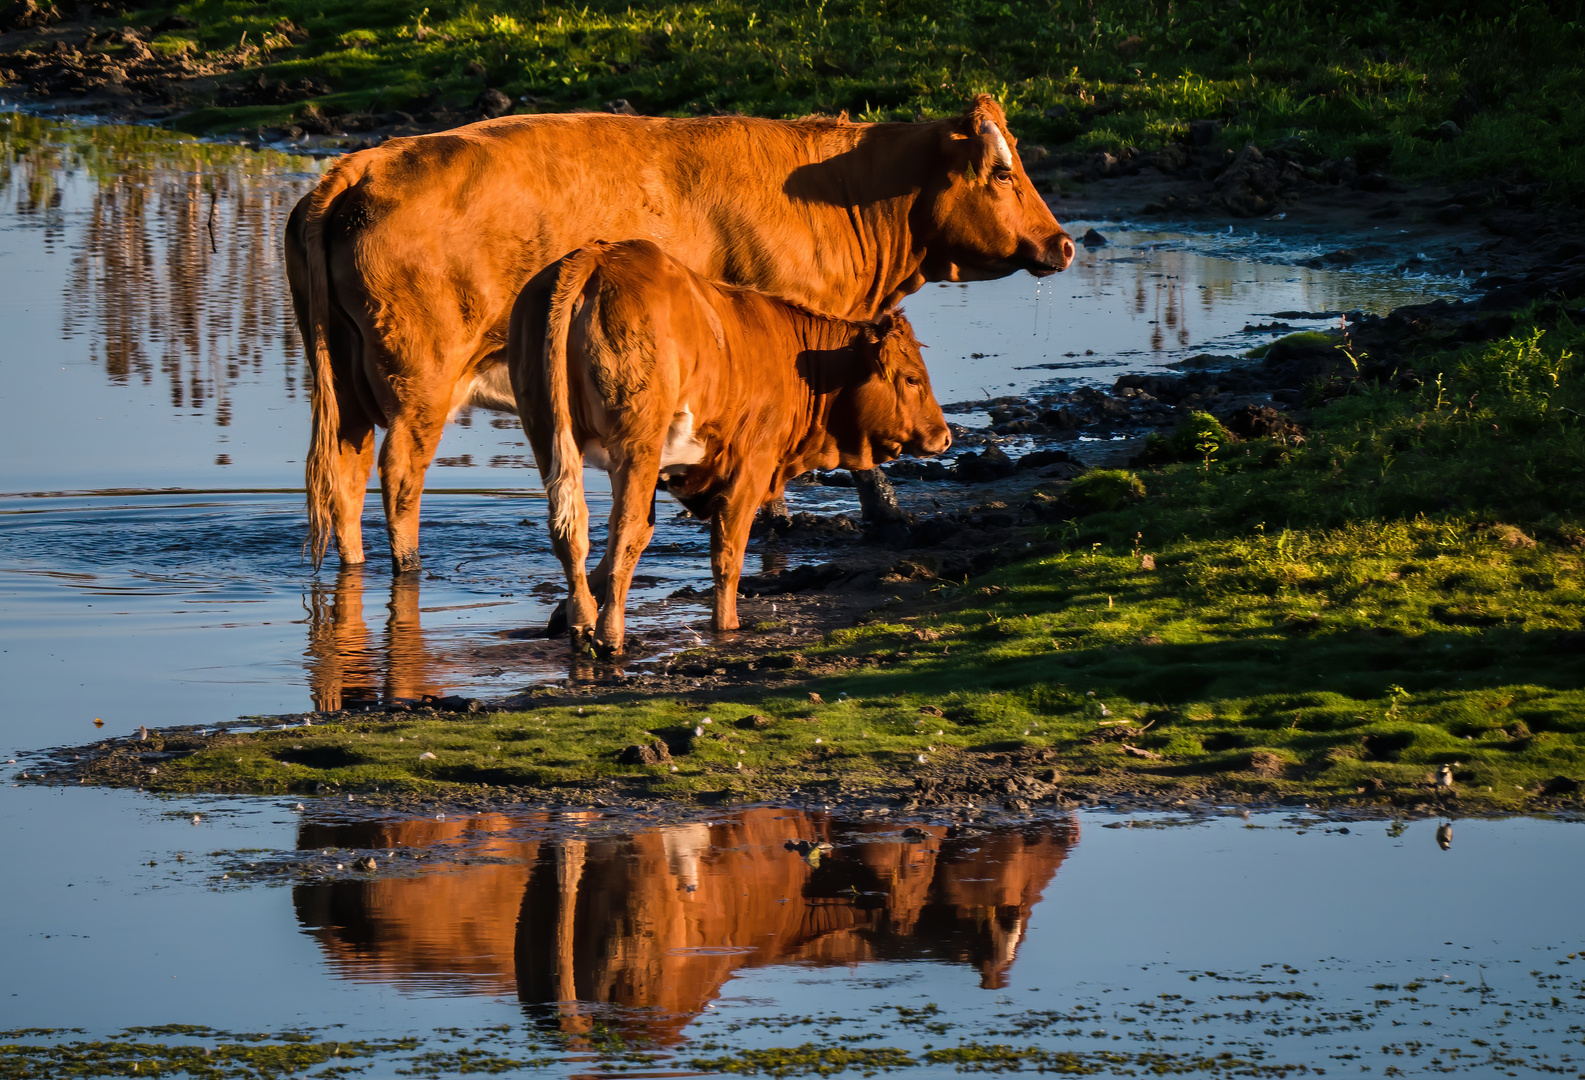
(564, 483)
(321, 475)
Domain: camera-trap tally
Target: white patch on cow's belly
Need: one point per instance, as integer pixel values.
(492, 389)
(594, 455)
(682, 443)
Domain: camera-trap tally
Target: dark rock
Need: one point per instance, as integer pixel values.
(474, 70)
(1559, 785)
(1063, 419)
(493, 103)
(174, 22)
(1203, 132)
(620, 107)
(1451, 214)
(992, 463)
(1040, 458)
(454, 703)
(1057, 112)
(1093, 239)
(929, 471)
(1372, 181)
(655, 753)
(799, 579)
(29, 15)
(1260, 422)
(1448, 131)
(753, 722)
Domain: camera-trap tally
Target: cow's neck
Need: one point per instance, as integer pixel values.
(831, 363)
(851, 203)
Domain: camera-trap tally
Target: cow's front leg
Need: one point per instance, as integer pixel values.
(734, 518)
(632, 525)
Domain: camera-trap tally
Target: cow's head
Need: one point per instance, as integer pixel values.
(890, 410)
(982, 216)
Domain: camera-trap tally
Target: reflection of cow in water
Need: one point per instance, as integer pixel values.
(661, 920)
(349, 666)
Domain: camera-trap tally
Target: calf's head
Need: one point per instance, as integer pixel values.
(982, 217)
(889, 408)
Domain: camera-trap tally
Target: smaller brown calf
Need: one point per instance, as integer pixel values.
(624, 359)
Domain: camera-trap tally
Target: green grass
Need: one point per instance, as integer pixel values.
(1402, 588)
(1373, 81)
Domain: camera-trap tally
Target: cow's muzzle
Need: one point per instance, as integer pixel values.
(1055, 255)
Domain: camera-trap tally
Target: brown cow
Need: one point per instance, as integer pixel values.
(405, 261)
(622, 357)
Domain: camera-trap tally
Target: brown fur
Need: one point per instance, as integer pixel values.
(406, 259)
(619, 349)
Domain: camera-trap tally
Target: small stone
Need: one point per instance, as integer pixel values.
(1093, 239)
(493, 103)
(426, 756)
(1447, 131)
(366, 864)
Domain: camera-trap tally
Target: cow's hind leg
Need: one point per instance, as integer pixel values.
(405, 454)
(632, 525)
(354, 458)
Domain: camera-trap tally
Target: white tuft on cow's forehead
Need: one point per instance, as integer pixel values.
(1003, 156)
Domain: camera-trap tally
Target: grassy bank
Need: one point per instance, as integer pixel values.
(1331, 615)
(1373, 81)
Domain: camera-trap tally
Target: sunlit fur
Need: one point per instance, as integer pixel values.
(617, 345)
(405, 260)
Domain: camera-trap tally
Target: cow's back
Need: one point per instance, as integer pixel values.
(467, 217)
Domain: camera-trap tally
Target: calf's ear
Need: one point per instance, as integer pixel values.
(874, 344)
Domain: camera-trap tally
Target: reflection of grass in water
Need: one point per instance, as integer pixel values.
(1367, 81)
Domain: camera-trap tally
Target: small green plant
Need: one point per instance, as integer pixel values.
(1198, 435)
(1106, 489)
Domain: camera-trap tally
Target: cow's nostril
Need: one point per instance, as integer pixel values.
(1067, 251)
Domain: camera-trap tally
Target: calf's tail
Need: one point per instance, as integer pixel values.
(564, 480)
(320, 472)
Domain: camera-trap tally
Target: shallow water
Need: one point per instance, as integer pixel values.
(151, 572)
(150, 521)
(1284, 941)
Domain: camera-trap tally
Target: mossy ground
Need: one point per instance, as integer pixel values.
(1370, 80)
(1401, 589)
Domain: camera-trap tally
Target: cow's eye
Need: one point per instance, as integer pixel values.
(1003, 175)
(912, 380)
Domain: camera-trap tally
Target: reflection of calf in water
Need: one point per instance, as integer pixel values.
(661, 920)
(347, 665)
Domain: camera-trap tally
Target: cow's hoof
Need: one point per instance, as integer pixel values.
(609, 652)
(557, 626)
(406, 564)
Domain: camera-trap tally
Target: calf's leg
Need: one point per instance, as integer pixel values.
(734, 518)
(572, 548)
(632, 525)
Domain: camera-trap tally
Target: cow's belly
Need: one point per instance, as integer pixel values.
(681, 448)
(492, 389)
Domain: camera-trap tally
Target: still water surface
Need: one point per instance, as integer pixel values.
(150, 572)
(1282, 940)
